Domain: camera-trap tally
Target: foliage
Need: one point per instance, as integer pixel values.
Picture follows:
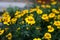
(38, 23)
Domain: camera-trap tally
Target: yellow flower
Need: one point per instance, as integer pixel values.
(13, 20)
(48, 6)
(32, 10)
(25, 11)
(36, 39)
(50, 29)
(55, 11)
(55, 17)
(30, 20)
(6, 18)
(5, 14)
(51, 15)
(45, 17)
(58, 27)
(1, 32)
(6, 23)
(47, 35)
(39, 11)
(18, 16)
(9, 36)
(43, 6)
(58, 17)
(17, 13)
(57, 23)
(54, 2)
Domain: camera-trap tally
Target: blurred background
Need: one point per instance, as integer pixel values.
(21, 3)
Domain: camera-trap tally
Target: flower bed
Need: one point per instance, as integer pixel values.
(38, 23)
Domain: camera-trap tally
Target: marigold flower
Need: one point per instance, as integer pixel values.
(55, 11)
(58, 27)
(58, 17)
(17, 12)
(54, 2)
(50, 28)
(48, 6)
(30, 20)
(13, 20)
(45, 17)
(43, 6)
(6, 18)
(32, 10)
(5, 14)
(47, 35)
(57, 23)
(51, 15)
(36, 39)
(6, 23)
(25, 11)
(39, 11)
(9, 36)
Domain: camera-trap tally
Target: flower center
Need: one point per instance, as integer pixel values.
(30, 19)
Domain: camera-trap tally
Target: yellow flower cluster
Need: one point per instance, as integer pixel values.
(6, 18)
(55, 11)
(36, 18)
(39, 11)
(45, 6)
